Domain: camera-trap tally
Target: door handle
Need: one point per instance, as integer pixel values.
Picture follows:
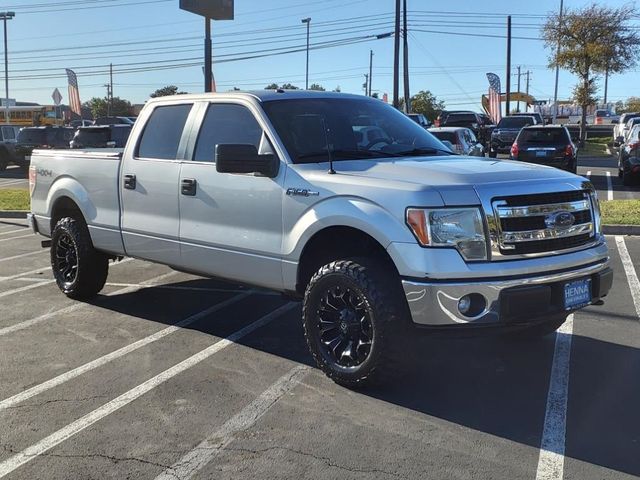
(188, 186)
(130, 182)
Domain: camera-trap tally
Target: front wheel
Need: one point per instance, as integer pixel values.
(352, 314)
(79, 270)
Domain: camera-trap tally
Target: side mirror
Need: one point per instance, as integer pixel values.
(239, 158)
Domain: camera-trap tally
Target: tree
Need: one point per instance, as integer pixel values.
(285, 86)
(425, 102)
(337, 89)
(100, 107)
(631, 105)
(166, 91)
(317, 87)
(592, 40)
(272, 86)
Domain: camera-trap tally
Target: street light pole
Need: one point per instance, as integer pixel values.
(308, 22)
(6, 16)
(555, 89)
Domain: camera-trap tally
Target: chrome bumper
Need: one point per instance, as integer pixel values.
(436, 304)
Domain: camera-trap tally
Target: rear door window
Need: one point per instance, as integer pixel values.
(226, 124)
(163, 131)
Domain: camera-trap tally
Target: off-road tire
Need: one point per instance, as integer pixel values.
(387, 313)
(71, 235)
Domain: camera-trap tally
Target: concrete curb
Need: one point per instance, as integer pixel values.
(621, 229)
(13, 213)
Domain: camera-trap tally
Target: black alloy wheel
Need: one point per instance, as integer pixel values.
(344, 325)
(66, 258)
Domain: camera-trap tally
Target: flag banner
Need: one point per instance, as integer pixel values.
(494, 97)
(74, 93)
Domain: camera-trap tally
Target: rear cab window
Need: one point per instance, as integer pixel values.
(163, 132)
(547, 136)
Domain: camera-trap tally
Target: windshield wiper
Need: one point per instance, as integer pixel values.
(416, 152)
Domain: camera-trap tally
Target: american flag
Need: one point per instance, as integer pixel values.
(494, 97)
(74, 93)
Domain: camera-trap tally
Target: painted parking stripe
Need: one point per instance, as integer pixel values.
(34, 451)
(46, 269)
(609, 186)
(16, 238)
(551, 459)
(201, 455)
(98, 362)
(74, 307)
(26, 288)
(13, 182)
(12, 231)
(23, 255)
(630, 271)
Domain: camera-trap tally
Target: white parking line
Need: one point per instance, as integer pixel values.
(46, 269)
(12, 182)
(589, 174)
(15, 238)
(26, 288)
(201, 455)
(65, 377)
(630, 271)
(12, 231)
(551, 459)
(34, 451)
(71, 308)
(609, 186)
(22, 255)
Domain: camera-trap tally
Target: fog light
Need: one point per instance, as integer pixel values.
(464, 304)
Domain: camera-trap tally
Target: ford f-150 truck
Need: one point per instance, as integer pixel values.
(339, 200)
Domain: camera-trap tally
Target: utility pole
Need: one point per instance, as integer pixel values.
(518, 103)
(606, 83)
(111, 87)
(308, 22)
(370, 70)
(528, 72)
(365, 85)
(396, 58)
(6, 16)
(508, 99)
(207, 55)
(405, 65)
(555, 90)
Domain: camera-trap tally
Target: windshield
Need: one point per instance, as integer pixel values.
(548, 136)
(515, 122)
(35, 136)
(352, 129)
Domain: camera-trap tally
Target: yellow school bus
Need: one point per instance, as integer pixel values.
(32, 115)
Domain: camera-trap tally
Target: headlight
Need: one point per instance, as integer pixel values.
(595, 203)
(460, 228)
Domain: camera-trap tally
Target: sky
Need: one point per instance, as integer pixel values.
(152, 43)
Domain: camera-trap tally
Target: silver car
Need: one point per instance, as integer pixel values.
(463, 140)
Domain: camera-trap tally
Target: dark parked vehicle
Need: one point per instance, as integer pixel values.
(113, 121)
(8, 134)
(505, 133)
(101, 136)
(420, 119)
(546, 145)
(629, 158)
(442, 117)
(31, 138)
(536, 116)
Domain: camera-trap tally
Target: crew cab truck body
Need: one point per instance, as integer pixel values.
(281, 190)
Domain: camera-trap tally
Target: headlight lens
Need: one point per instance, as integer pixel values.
(595, 203)
(461, 228)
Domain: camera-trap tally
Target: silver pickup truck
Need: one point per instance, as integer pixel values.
(336, 199)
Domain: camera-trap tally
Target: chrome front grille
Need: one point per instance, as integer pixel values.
(539, 224)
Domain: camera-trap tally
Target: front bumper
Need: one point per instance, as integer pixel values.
(513, 301)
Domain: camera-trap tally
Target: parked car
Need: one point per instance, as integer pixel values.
(471, 120)
(420, 119)
(619, 126)
(113, 121)
(604, 117)
(546, 145)
(80, 123)
(628, 127)
(462, 139)
(30, 138)
(505, 133)
(444, 114)
(8, 134)
(628, 158)
(101, 136)
(269, 188)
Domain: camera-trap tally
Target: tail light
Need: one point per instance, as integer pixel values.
(598, 120)
(436, 122)
(568, 152)
(634, 145)
(514, 150)
(636, 169)
(33, 174)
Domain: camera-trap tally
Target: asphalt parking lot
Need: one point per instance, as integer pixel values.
(167, 375)
(13, 177)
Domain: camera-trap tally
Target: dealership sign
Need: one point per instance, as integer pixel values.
(214, 9)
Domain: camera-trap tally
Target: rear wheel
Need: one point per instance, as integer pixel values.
(79, 270)
(352, 317)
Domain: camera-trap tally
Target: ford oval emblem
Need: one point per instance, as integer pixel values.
(561, 219)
